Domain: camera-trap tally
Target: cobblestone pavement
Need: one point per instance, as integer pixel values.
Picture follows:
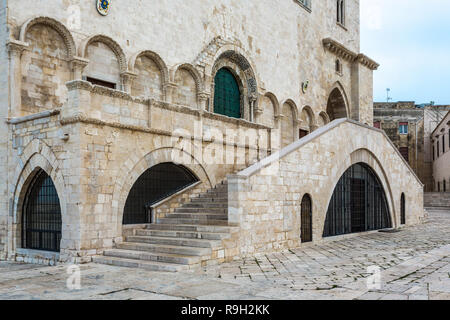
(414, 264)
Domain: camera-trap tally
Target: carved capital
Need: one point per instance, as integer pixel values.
(15, 48)
(203, 96)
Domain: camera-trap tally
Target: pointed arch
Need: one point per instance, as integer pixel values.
(337, 103)
(56, 25)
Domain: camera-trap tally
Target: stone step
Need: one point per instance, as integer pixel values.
(141, 264)
(153, 256)
(149, 247)
(202, 210)
(193, 221)
(197, 215)
(200, 243)
(195, 228)
(183, 234)
(212, 205)
(209, 201)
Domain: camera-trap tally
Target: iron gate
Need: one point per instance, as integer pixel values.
(41, 227)
(358, 203)
(306, 219)
(152, 186)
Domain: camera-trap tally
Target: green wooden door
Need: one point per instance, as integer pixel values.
(227, 98)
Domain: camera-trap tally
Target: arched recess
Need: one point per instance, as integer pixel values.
(358, 204)
(54, 24)
(289, 116)
(268, 110)
(337, 104)
(306, 231)
(45, 65)
(234, 60)
(189, 85)
(152, 75)
(107, 61)
(323, 119)
(134, 167)
(37, 157)
(155, 184)
(308, 121)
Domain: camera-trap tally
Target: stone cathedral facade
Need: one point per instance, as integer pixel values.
(173, 134)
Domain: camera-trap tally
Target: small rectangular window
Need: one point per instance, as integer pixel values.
(403, 128)
(438, 150)
(377, 124)
(433, 154)
(303, 133)
(443, 144)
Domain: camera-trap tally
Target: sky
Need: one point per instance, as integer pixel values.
(410, 39)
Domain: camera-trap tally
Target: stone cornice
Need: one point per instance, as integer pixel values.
(241, 122)
(341, 51)
(15, 46)
(34, 116)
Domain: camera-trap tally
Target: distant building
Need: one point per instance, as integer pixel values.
(440, 145)
(410, 126)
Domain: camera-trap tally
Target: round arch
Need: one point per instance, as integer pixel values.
(113, 45)
(194, 73)
(133, 169)
(55, 24)
(307, 115)
(153, 56)
(360, 156)
(38, 156)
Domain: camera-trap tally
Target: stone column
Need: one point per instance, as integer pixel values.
(77, 65)
(171, 90)
(127, 80)
(203, 101)
(252, 101)
(15, 49)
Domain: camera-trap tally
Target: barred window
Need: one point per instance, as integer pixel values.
(305, 4)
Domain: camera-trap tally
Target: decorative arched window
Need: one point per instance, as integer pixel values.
(42, 215)
(227, 96)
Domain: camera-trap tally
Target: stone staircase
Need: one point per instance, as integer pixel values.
(186, 239)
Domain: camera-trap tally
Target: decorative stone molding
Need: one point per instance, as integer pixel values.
(236, 121)
(127, 78)
(341, 51)
(31, 117)
(58, 26)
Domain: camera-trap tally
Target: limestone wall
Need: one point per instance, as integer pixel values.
(4, 102)
(266, 203)
(437, 199)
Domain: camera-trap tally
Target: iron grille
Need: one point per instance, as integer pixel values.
(306, 216)
(358, 204)
(154, 185)
(227, 97)
(403, 209)
(42, 215)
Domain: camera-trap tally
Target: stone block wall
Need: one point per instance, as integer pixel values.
(265, 199)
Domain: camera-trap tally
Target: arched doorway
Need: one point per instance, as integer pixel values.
(336, 106)
(227, 96)
(358, 203)
(403, 209)
(306, 219)
(41, 227)
(152, 186)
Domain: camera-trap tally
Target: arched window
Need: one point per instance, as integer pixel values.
(306, 219)
(341, 11)
(403, 209)
(41, 227)
(227, 96)
(154, 185)
(338, 67)
(358, 203)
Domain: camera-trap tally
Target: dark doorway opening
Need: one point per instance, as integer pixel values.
(41, 226)
(306, 219)
(358, 204)
(154, 185)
